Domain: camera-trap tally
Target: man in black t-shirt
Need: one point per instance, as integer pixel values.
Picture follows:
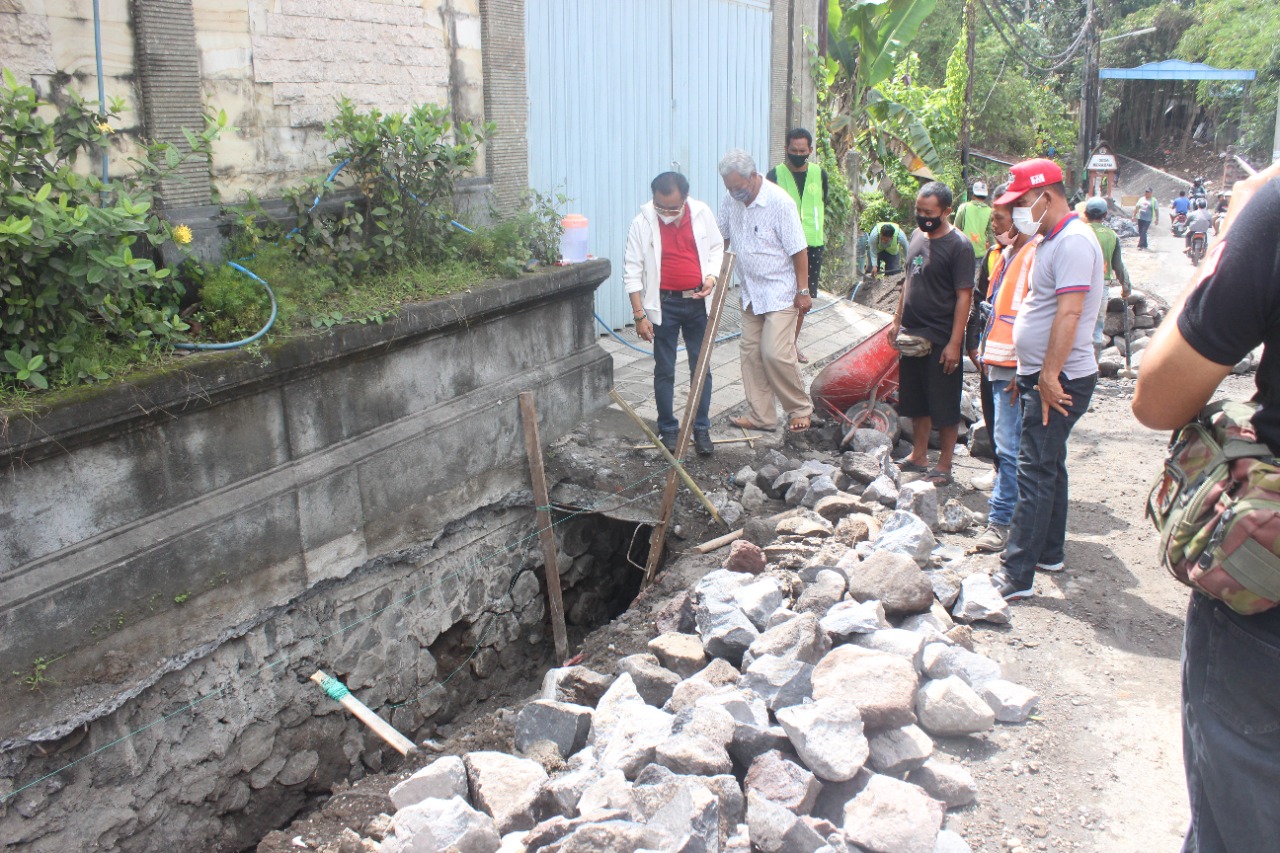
(1230, 663)
(934, 306)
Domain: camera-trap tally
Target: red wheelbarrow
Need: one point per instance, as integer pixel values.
(859, 387)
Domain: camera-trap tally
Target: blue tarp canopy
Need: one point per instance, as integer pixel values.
(1176, 69)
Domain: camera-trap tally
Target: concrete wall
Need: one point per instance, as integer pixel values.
(154, 533)
(275, 66)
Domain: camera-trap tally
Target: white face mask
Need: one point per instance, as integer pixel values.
(668, 220)
(1022, 218)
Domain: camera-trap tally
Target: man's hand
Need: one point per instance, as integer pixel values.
(977, 362)
(708, 285)
(1012, 390)
(892, 333)
(803, 302)
(644, 328)
(950, 358)
(1052, 397)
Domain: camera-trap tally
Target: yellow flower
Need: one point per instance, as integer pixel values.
(182, 234)
(105, 128)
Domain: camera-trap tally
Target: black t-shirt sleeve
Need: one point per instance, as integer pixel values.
(1233, 308)
(825, 187)
(772, 175)
(962, 261)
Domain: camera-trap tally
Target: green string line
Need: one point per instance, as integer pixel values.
(313, 643)
(335, 689)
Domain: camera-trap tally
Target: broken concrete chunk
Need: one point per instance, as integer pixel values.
(507, 788)
(948, 706)
(746, 474)
(561, 723)
(445, 825)
(796, 495)
(809, 524)
(819, 488)
(681, 653)
(653, 681)
(868, 441)
(974, 669)
(782, 781)
(882, 686)
(882, 491)
(775, 829)
(946, 585)
(895, 580)
(822, 593)
(725, 630)
(674, 616)
(778, 681)
(951, 842)
(895, 752)
(905, 533)
(920, 498)
(907, 645)
(948, 783)
(827, 735)
(837, 506)
(745, 557)
(754, 498)
(980, 601)
(692, 755)
(764, 480)
(849, 618)
(956, 518)
(442, 779)
(861, 467)
(575, 685)
(787, 479)
(625, 729)
(759, 600)
(856, 528)
(891, 815)
(1012, 703)
(798, 638)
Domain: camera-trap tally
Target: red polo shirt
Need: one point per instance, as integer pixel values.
(680, 267)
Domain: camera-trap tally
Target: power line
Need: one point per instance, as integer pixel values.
(1063, 58)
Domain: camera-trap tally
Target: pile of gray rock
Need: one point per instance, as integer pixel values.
(789, 701)
(1144, 313)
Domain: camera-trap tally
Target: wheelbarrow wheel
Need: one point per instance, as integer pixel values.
(880, 417)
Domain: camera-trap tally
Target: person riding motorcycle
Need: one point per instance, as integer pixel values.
(1178, 210)
(1199, 222)
(1198, 188)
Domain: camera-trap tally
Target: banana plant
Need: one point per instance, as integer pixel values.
(865, 41)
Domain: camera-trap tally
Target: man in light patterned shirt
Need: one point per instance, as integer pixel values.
(761, 224)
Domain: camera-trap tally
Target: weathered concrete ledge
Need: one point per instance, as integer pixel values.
(149, 521)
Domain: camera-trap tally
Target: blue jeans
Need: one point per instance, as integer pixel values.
(687, 316)
(1005, 436)
(1039, 530)
(1231, 728)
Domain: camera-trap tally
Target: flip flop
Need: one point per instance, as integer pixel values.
(792, 425)
(938, 478)
(801, 357)
(908, 467)
(746, 423)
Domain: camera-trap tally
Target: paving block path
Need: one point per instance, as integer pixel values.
(831, 329)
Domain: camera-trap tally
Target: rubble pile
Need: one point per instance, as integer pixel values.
(789, 701)
(1144, 314)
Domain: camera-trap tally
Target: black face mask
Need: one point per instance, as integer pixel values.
(797, 160)
(929, 224)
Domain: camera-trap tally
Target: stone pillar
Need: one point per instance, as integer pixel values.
(506, 100)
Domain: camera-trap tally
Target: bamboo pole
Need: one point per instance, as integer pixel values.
(338, 692)
(659, 537)
(713, 441)
(538, 473)
(731, 537)
(675, 463)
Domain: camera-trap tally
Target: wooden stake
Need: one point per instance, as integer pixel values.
(713, 441)
(729, 538)
(659, 538)
(538, 473)
(337, 691)
(662, 448)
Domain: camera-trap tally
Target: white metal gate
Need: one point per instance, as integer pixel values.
(620, 90)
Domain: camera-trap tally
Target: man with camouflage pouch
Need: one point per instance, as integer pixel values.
(1230, 661)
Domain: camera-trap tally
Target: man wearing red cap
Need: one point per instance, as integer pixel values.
(1057, 368)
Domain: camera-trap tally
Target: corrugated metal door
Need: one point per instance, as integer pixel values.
(622, 90)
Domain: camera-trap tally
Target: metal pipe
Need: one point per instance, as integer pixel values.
(102, 86)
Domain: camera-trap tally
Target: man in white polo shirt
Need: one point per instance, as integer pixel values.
(1057, 369)
(761, 224)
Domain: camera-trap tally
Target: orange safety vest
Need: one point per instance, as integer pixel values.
(1010, 283)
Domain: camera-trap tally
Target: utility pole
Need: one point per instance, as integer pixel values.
(1275, 143)
(1089, 93)
(966, 116)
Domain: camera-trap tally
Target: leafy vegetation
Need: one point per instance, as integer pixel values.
(76, 255)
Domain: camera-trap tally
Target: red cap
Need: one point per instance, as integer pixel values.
(1028, 175)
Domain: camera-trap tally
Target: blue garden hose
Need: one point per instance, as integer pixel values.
(235, 265)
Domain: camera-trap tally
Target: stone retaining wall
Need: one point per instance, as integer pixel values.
(215, 534)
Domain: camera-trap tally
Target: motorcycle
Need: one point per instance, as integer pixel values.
(1199, 242)
(1179, 225)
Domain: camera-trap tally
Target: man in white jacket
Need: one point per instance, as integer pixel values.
(674, 250)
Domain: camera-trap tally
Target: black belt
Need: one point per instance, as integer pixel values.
(680, 294)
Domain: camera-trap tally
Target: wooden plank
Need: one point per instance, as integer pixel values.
(659, 538)
(337, 691)
(538, 473)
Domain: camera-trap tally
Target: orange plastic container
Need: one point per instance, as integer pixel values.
(573, 244)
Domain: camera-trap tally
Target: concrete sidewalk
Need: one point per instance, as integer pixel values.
(831, 329)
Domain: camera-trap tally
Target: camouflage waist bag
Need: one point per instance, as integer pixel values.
(1217, 507)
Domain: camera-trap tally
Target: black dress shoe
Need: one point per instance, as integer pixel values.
(702, 443)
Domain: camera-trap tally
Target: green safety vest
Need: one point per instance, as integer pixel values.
(1107, 239)
(894, 246)
(973, 218)
(811, 209)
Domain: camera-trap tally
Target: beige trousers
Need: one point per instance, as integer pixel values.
(769, 366)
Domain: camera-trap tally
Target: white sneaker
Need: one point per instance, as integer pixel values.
(1051, 567)
(984, 482)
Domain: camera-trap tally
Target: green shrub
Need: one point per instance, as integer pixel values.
(75, 255)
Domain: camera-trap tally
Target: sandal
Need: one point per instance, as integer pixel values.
(746, 423)
(937, 478)
(801, 357)
(800, 424)
(909, 467)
